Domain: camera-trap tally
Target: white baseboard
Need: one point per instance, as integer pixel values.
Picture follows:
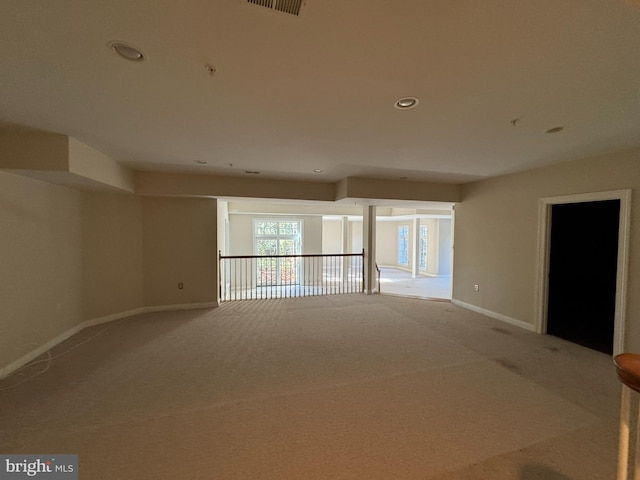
(32, 355)
(186, 306)
(497, 316)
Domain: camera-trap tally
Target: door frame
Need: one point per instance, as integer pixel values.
(544, 248)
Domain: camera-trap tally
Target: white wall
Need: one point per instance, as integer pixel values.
(67, 257)
(438, 245)
(241, 232)
(387, 243)
(222, 226)
(496, 233)
(41, 258)
(113, 277)
(180, 246)
(433, 246)
(241, 235)
(445, 250)
(331, 236)
(356, 236)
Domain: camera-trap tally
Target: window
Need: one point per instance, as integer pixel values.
(277, 237)
(403, 245)
(424, 231)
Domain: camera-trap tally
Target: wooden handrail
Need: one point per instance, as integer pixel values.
(628, 369)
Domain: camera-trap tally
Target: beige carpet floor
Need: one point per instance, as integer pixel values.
(341, 387)
(394, 281)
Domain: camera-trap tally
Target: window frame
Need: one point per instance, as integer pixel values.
(424, 253)
(298, 248)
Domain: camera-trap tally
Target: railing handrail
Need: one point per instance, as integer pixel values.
(245, 277)
(296, 256)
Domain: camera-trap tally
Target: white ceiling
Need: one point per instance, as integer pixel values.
(292, 94)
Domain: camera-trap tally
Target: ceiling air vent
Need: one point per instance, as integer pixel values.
(292, 7)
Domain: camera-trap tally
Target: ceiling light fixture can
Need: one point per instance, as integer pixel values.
(126, 51)
(405, 103)
(317, 170)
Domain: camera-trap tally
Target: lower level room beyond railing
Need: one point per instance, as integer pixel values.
(250, 277)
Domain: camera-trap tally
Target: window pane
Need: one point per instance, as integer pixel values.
(403, 245)
(266, 246)
(287, 247)
(267, 228)
(266, 271)
(288, 271)
(277, 237)
(288, 228)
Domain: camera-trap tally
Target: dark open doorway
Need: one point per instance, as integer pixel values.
(583, 273)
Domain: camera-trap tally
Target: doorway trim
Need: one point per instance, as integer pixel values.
(542, 267)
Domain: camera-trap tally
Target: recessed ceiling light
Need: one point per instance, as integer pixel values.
(406, 102)
(126, 51)
(200, 162)
(555, 130)
(317, 170)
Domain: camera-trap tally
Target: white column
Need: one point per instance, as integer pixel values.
(415, 264)
(369, 244)
(345, 249)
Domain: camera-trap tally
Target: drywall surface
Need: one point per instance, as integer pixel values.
(242, 234)
(167, 184)
(357, 234)
(41, 264)
(113, 273)
(26, 150)
(312, 235)
(444, 246)
(332, 236)
(90, 163)
(496, 230)
(222, 226)
(180, 246)
(387, 243)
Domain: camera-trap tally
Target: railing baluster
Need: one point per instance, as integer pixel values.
(341, 261)
(324, 275)
(249, 277)
(331, 284)
(335, 275)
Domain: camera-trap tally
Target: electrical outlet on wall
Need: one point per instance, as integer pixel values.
(476, 287)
